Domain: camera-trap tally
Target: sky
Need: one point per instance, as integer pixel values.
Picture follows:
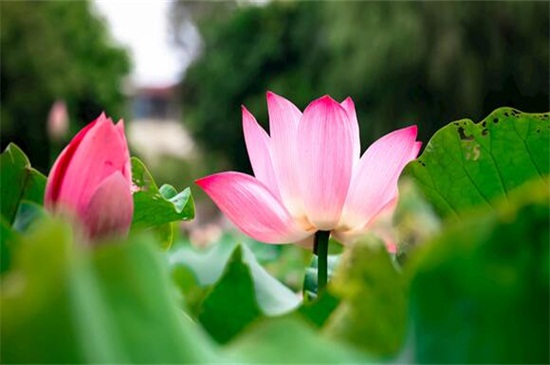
(142, 27)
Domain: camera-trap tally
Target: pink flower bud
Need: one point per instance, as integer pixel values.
(91, 180)
(58, 121)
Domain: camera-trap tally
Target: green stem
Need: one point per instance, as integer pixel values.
(320, 248)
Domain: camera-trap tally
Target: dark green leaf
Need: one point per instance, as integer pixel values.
(244, 293)
(273, 297)
(480, 290)
(319, 310)
(231, 305)
(208, 265)
(467, 164)
(18, 181)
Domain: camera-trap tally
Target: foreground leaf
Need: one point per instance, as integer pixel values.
(372, 312)
(467, 164)
(18, 181)
(115, 304)
(480, 290)
(7, 243)
(289, 340)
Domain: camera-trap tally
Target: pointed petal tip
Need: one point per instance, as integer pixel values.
(120, 127)
(274, 97)
(409, 132)
(203, 181)
(326, 98)
(416, 149)
(413, 129)
(104, 118)
(246, 114)
(326, 102)
(347, 102)
(270, 95)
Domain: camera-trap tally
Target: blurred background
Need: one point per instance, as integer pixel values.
(177, 72)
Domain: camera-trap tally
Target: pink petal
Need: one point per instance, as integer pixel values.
(110, 209)
(349, 106)
(383, 219)
(257, 145)
(374, 183)
(283, 125)
(59, 168)
(325, 150)
(100, 153)
(252, 207)
(415, 150)
(127, 172)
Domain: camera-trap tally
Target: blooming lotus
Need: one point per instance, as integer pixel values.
(91, 180)
(309, 175)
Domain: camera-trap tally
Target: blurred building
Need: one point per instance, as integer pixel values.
(155, 129)
(159, 103)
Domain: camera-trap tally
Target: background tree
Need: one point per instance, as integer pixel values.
(402, 63)
(55, 50)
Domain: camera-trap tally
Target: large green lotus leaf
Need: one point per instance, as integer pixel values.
(209, 266)
(18, 181)
(62, 303)
(289, 340)
(243, 293)
(480, 292)
(155, 208)
(467, 164)
(372, 312)
(231, 304)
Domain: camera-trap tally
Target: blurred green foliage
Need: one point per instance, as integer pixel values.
(403, 63)
(64, 303)
(479, 291)
(372, 315)
(55, 50)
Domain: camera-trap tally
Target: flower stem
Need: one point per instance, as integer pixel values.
(320, 248)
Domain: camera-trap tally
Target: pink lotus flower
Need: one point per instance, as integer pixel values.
(91, 180)
(309, 175)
